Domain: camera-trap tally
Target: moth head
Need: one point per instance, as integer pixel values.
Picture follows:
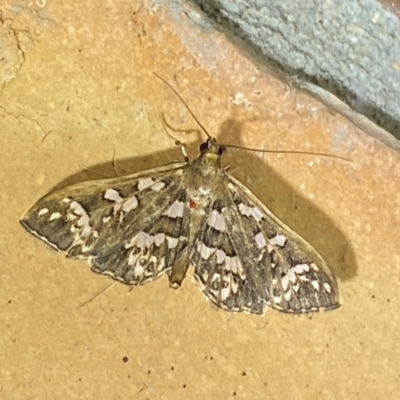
(211, 147)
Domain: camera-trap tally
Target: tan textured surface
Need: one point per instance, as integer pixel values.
(86, 92)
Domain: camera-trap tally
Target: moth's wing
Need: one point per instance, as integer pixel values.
(246, 259)
(223, 259)
(132, 228)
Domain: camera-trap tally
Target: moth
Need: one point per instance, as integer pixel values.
(139, 227)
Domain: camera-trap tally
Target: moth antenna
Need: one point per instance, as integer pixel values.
(288, 152)
(183, 101)
(235, 146)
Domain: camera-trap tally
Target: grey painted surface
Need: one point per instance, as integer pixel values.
(351, 48)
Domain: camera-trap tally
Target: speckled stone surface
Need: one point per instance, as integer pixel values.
(84, 103)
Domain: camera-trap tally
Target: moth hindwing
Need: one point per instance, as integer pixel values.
(138, 227)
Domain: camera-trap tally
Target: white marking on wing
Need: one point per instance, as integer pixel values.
(234, 265)
(278, 240)
(117, 207)
(159, 239)
(220, 256)
(83, 220)
(314, 267)
(143, 239)
(231, 264)
(77, 241)
(158, 186)
(234, 286)
(256, 213)
(138, 270)
(54, 216)
(204, 251)
(214, 286)
(260, 240)
(43, 211)
(85, 248)
(315, 285)
(327, 287)
(287, 295)
(277, 299)
(176, 209)
(161, 265)
(226, 288)
(303, 278)
(77, 209)
(106, 219)
(132, 259)
(301, 268)
(285, 282)
(172, 242)
(113, 195)
(130, 204)
(149, 241)
(216, 221)
(291, 275)
(250, 211)
(138, 240)
(145, 183)
(86, 230)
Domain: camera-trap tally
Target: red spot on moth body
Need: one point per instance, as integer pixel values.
(192, 205)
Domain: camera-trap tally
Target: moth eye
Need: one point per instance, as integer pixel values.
(204, 147)
(221, 149)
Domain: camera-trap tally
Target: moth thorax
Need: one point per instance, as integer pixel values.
(200, 197)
